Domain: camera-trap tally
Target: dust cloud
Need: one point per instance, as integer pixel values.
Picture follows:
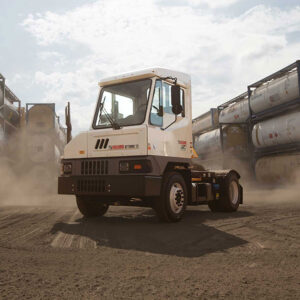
(25, 188)
(280, 192)
(28, 177)
(274, 194)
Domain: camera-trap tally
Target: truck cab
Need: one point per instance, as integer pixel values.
(138, 151)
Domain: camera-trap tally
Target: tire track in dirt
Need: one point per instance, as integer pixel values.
(79, 239)
(137, 232)
(83, 241)
(87, 233)
(14, 219)
(265, 231)
(68, 240)
(28, 226)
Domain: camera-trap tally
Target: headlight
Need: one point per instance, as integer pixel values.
(67, 168)
(135, 166)
(124, 166)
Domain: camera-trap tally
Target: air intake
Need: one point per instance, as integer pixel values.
(90, 186)
(94, 167)
(101, 143)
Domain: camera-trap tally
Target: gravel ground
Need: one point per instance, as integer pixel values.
(48, 251)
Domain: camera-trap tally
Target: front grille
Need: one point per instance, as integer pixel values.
(94, 167)
(90, 186)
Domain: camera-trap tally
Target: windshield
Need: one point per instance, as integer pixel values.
(123, 104)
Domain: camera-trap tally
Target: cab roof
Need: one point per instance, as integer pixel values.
(183, 79)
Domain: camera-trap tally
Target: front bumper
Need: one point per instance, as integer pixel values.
(111, 185)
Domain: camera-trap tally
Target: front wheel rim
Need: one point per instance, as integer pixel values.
(176, 198)
(234, 192)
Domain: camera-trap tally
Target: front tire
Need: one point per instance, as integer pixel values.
(170, 206)
(91, 207)
(230, 197)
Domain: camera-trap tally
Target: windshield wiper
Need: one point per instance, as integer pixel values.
(113, 123)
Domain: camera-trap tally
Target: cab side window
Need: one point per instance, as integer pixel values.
(169, 116)
(156, 111)
(167, 100)
(161, 110)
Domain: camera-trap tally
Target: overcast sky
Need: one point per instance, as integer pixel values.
(57, 51)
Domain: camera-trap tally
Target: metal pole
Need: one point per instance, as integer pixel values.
(298, 71)
(2, 86)
(68, 122)
(26, 112)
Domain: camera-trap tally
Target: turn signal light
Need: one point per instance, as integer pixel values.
(137, 167)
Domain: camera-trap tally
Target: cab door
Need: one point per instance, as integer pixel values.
(176, 128)
(168, 134)
(155, 134)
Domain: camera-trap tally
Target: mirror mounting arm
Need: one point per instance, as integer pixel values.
(174, 79)
(170, 124)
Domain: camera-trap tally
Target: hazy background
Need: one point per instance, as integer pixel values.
(57, 51)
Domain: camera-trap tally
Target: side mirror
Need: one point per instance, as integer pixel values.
(175, 94)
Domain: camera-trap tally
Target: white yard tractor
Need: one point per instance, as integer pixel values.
(139, 151)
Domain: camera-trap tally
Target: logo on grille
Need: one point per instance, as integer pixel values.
(101, 143)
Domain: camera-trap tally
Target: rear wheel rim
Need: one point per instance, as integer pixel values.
(234, 192)
(176, 197)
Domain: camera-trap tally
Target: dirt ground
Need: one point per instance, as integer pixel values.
(48, 251)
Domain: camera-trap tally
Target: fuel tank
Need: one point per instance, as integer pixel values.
(275, 92)
(206, 121)
(208, 142)
(277, 131)
(235, 138)
(41, 118)
(235, 113)
(280, 168)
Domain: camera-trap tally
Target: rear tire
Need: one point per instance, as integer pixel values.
(91, 207)
(230, 196)
(215, 205)
(170, 206)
